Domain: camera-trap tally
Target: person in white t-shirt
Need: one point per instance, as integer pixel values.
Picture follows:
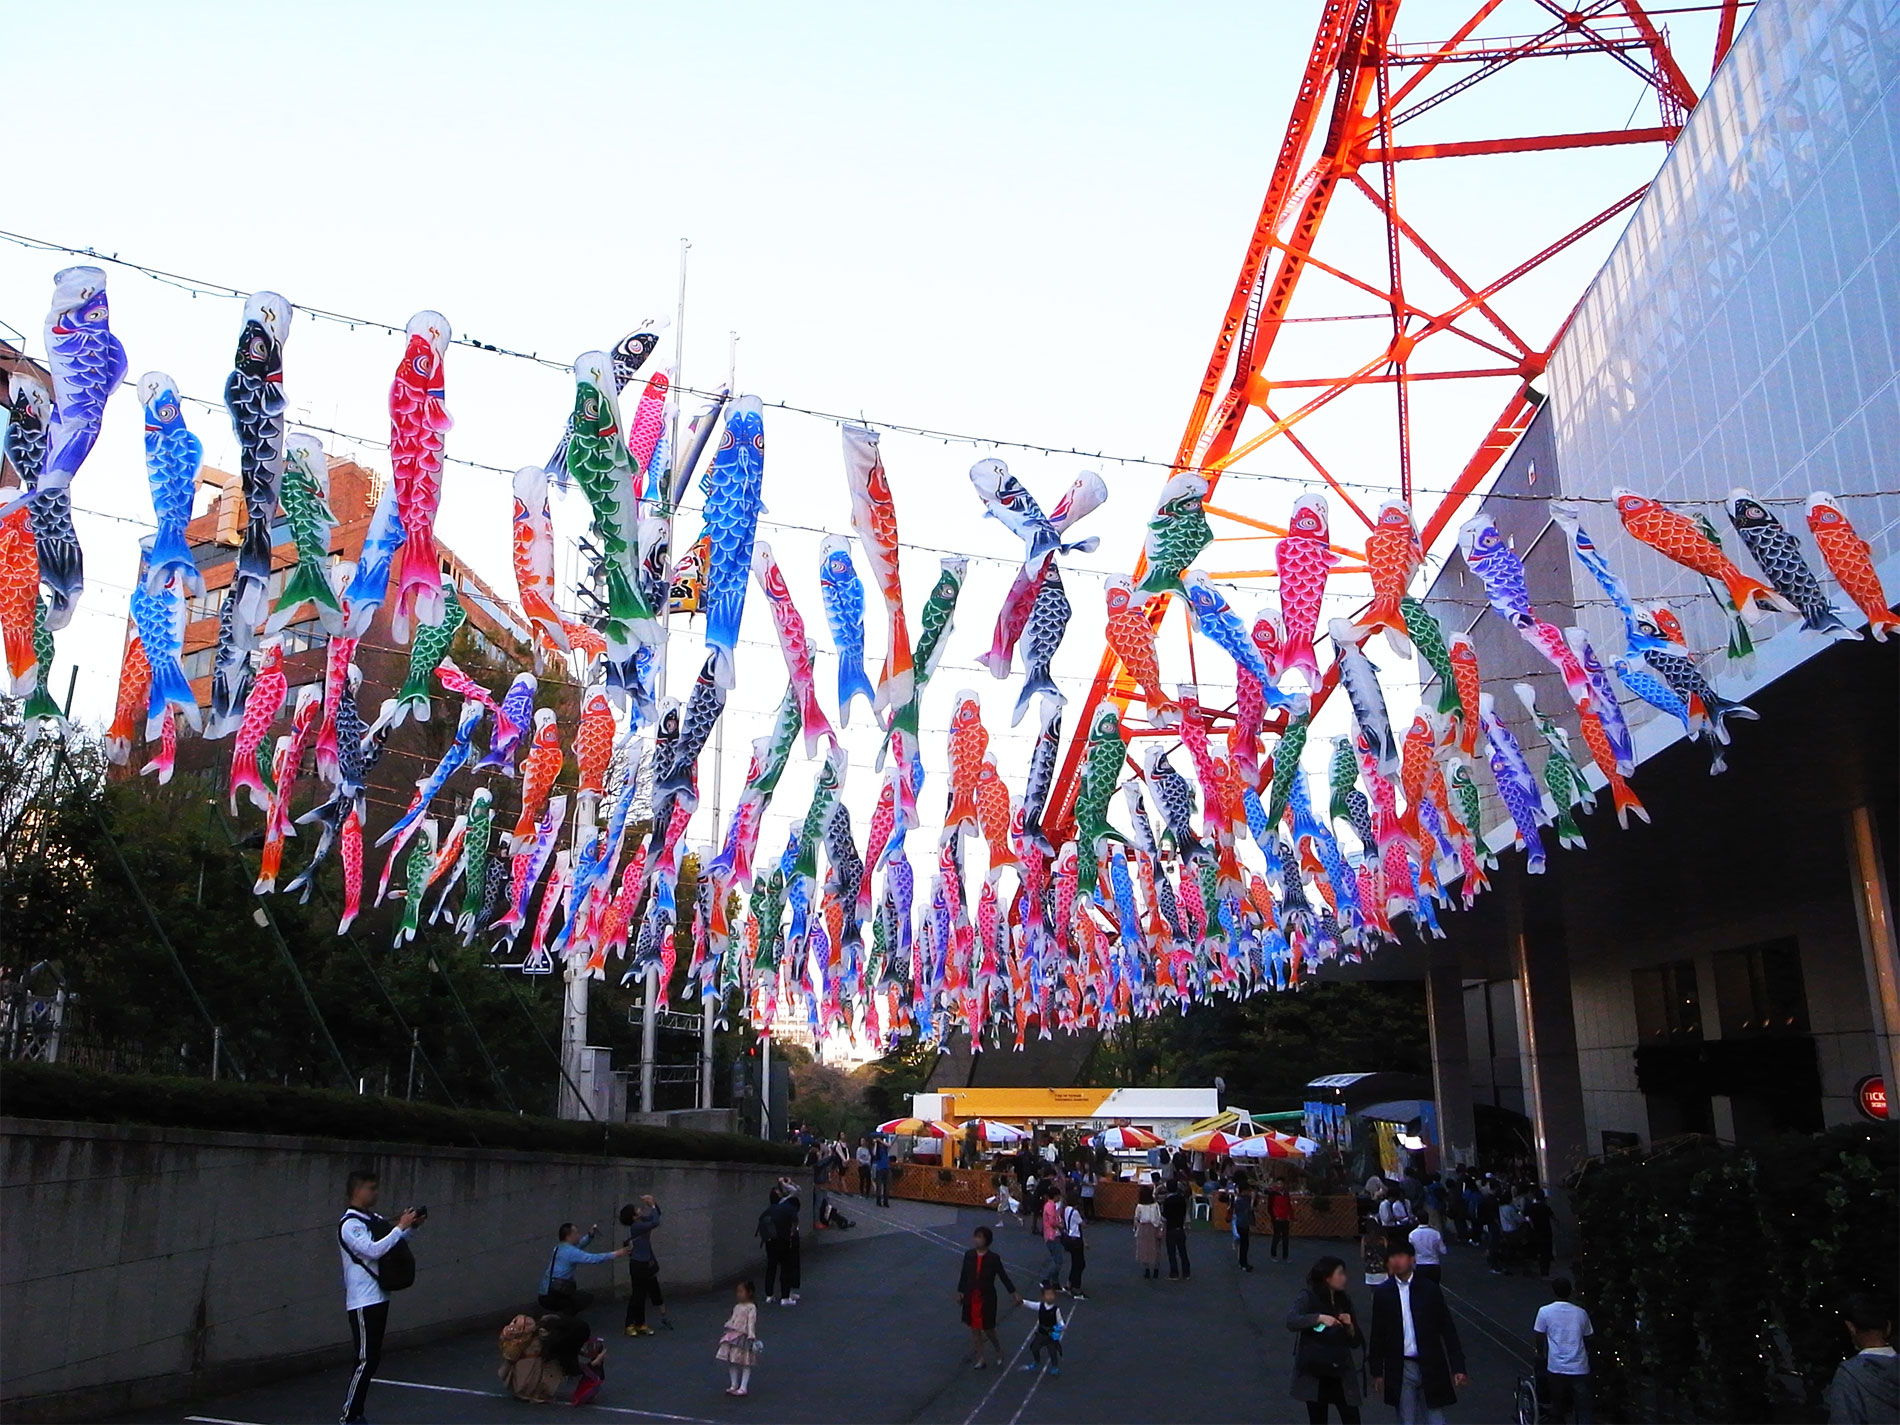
(1429, 1245)
(1396, 1213)
(1564, 1325)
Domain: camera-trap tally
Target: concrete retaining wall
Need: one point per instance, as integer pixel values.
(140, 1265)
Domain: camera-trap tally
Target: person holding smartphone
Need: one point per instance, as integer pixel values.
(366, 1242)
(643, 1266)
(560, 1293)
(1325, 1373)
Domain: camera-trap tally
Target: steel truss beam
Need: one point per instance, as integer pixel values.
(1361, 88)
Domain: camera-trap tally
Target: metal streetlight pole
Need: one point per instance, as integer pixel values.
(650, 1012)
(718, 782)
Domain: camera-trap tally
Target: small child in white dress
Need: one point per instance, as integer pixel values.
(739, 1343)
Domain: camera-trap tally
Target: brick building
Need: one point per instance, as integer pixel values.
(491, 646)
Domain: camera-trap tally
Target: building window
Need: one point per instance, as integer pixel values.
(199, 663)
(1759, 990)
(302, 637)
(205, 605)
(1668, 1010)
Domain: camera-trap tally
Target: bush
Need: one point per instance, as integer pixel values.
(1711, 1272)
(56, 1092)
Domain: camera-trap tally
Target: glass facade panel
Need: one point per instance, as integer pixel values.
(1743, 332)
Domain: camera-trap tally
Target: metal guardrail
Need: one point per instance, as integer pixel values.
(669, 1019)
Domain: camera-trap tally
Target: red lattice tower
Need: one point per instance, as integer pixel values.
(1261, 395)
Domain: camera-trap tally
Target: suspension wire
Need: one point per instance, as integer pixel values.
(481, 1044)
(383, 989)
(548, 1045)
(206, 287)
(138, 892)
(290, 960)
(494, 1069)
(61, 763)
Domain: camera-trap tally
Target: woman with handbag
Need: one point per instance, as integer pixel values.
(1325, 1332)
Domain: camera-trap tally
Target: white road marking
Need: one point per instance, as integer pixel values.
(1004, 1373)
(504, 1395)
(1491, 1328)
(1036, 1384)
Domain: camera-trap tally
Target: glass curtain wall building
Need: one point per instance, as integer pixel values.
(1717, 970)
(1745, 332)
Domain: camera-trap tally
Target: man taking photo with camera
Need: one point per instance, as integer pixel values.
(376, 1261)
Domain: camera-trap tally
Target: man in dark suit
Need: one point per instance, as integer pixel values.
(1412, 1354)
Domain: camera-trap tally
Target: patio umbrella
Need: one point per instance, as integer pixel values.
(920, 1128)
(1127, 1140)
(1216, 1142)
(1271, 1145)
(990, 1131)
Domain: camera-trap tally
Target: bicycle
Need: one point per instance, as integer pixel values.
(1524, 1405)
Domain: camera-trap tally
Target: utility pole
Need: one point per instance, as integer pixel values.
(650, 1011)
(706, 1000)
(575, 984)
(765, 1083)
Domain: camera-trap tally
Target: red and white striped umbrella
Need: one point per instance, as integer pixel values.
(1271, 1145)
(1215, 1142)
(920, 1128)
(989, 1130)
(1127, 1140)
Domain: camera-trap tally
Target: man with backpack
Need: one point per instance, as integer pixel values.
(881, 1171)
(376, 1261)
(778, 1232)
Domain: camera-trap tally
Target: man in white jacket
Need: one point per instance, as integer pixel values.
(361, 1249)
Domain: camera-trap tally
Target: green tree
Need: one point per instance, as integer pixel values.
(73, 845)
(889, 1082)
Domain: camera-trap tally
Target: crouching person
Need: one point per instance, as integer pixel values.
(538, 1358)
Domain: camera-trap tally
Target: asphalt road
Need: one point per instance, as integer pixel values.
(876, 1339)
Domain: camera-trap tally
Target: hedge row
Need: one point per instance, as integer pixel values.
(57, 1092)
(1713, 1273)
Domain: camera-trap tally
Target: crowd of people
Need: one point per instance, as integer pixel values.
(1405, 1350)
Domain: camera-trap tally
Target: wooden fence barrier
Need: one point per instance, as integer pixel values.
(1313, 1216)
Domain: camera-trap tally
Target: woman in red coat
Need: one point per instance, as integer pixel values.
(976, 1293)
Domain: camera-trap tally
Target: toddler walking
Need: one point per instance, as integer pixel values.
(1050, 1324)
(739, 1343)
